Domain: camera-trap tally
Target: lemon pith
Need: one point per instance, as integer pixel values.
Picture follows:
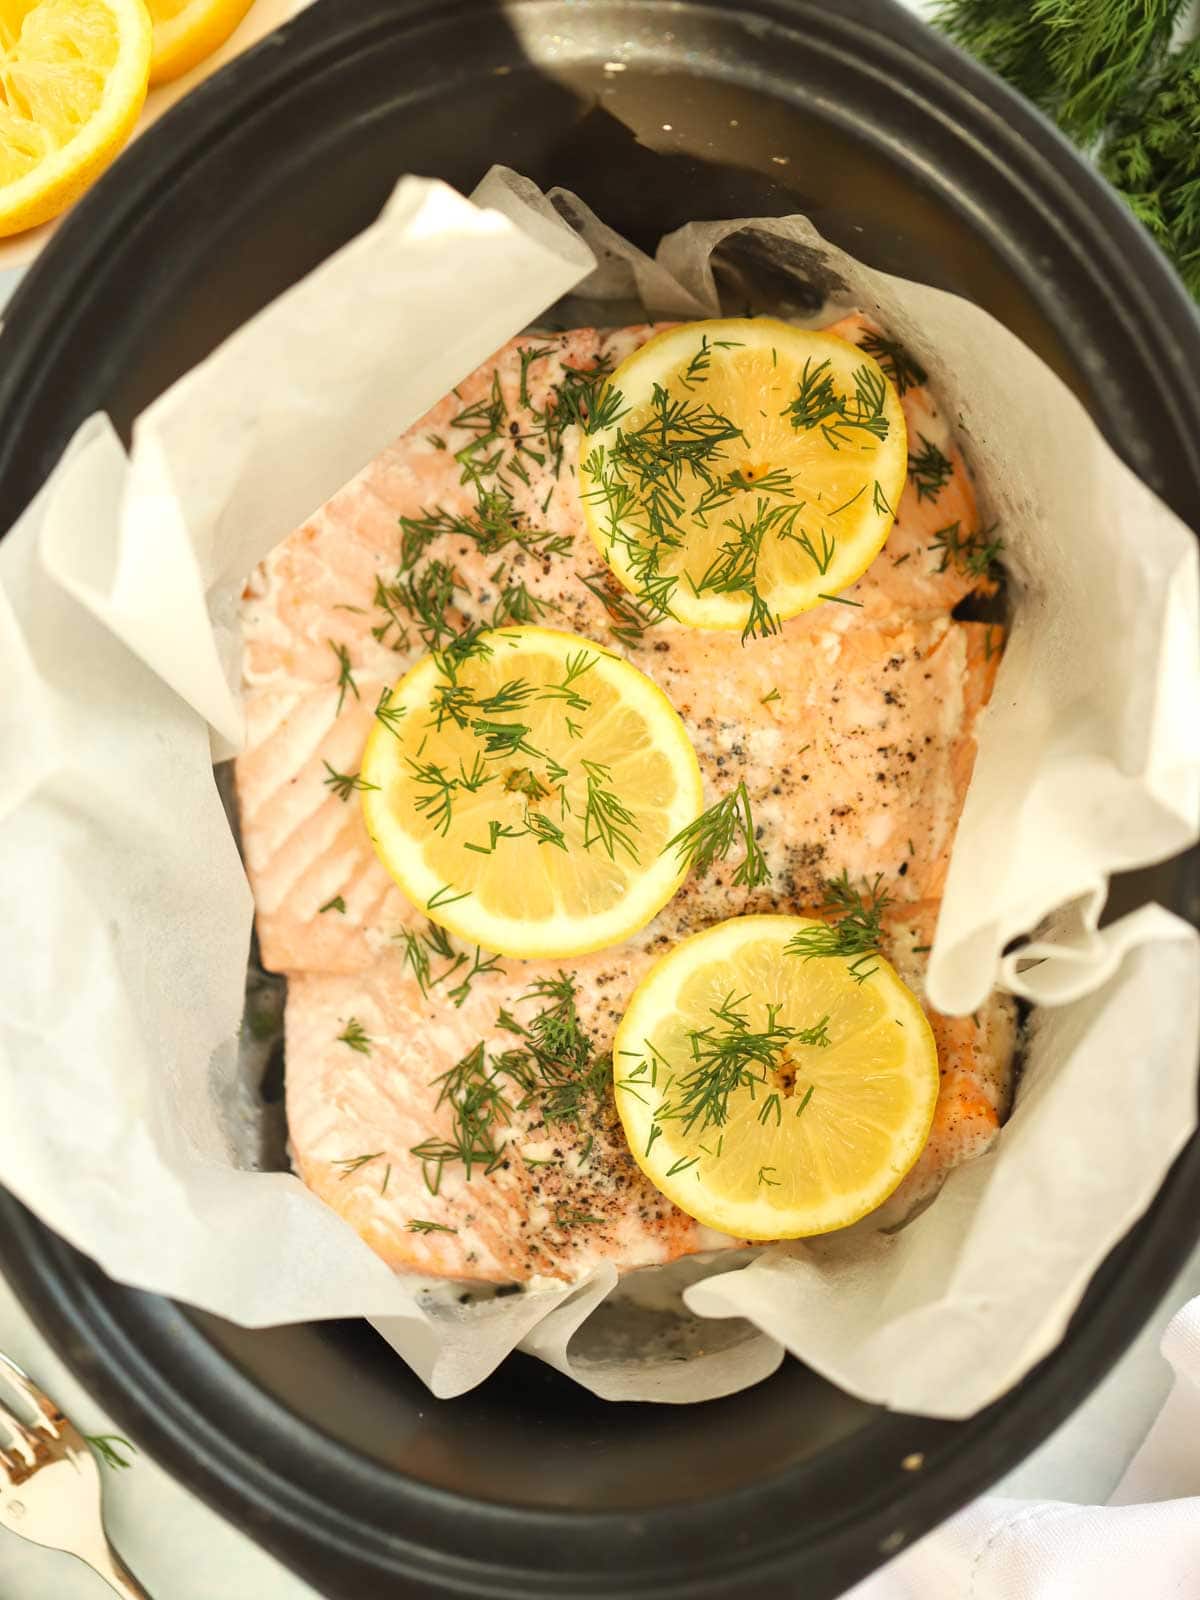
(531, 817)
(826, 1132)
(73, 77)
(741, 470)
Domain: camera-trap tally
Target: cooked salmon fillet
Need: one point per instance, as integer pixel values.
(853, 729)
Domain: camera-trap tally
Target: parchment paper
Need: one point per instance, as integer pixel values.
(126, 1117)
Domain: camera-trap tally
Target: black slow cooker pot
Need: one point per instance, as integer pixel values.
(316, 1440)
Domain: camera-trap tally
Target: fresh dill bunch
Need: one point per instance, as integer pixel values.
(1079, 60)
(1152, 156)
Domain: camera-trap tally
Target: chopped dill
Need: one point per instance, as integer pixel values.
(344, 784)
(345, 677)
(852, 930)
(901, 368)
(929, 470)
(355, 1036)
(353, 1163)
(973, 555)
(336, 904)
(730, 1057)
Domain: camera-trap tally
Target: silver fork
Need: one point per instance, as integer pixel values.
(50, 1485)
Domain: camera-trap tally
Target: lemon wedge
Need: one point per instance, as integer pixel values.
(521, 793)
(73, 77)
(768, 1095)
(186, 31)
(739, 471)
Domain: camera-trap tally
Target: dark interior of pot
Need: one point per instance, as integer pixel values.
(317, 1439)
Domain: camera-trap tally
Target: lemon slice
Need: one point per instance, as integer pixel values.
(739, 471)
(72, 81)
(522, 795)
(186, 31)
(767, 1095)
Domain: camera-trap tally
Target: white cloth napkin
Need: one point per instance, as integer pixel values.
(1143, 1545)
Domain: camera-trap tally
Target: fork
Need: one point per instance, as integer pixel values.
(50, 1485)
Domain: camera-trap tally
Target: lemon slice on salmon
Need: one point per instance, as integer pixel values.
(521, 792)
(738, 471)
(770, 1095)
(186, 31)
(73, 78)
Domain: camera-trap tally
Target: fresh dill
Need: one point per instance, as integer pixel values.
(607, 820)
(351, 1164)
(880, 502)
(557, 1066)
(108, 1447)
(852, 929)
(905, 372)
(344, 784)
(420, 1225)
(336, 904)
(1151, 156)
(355, 1036)
(447, 895)
(929, 470)
(730, 1057)
(387, 713)
(345, 677)
(477, 1108)
(818, 404)
(734, 568)
(713, 834)
(627, 618)
(971, 554)
(1078, 60)
(480, 966)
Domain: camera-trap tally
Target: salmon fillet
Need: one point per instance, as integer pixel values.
(853, 729)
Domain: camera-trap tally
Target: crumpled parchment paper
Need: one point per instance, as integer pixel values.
(128, 1123)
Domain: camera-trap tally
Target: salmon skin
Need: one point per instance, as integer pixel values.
(853, 729)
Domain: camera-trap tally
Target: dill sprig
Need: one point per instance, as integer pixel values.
(905, 372)
(929, 470)
(387, 713)
(730, 1057)
(108, 1447)
(557, 1066)
(421, 1225)
(971, 554)
(478, 1108)
(607, 820)
(344, 784)
(712, 835)
(628, 619)
(818, 404)
(345, 677)
(853, 926)
(355, 1036)
(734, 568)
(351, 1164)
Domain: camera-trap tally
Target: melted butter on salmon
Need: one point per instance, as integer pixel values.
(853, 729)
